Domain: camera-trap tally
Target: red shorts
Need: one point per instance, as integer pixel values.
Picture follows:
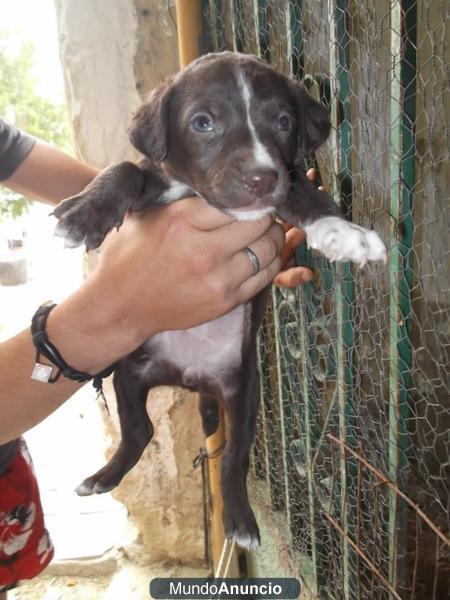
(25, 546)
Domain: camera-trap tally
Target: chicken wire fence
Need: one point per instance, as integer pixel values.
(351, 459)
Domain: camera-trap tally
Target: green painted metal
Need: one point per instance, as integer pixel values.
(344, 284)
(294, 371)
(262, 29)
(237, 25)
(311, 434)
(273, 458)
(303, 363)
(296, 53)
(285, 411)
(403, 53)
(299, 428)
(307, 402)
(215, 8)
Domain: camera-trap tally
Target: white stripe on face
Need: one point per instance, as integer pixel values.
(261, 154)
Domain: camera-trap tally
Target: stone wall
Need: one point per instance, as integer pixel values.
(112, 54)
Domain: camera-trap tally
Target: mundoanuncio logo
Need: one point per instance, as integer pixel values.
(224, 589)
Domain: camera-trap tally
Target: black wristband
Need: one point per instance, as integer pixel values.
(51, 353)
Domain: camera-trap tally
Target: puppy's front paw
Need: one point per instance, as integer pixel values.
(95, 484)
(339, 240)
(82, 220)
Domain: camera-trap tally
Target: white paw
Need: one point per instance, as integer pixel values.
(248, 541)
(88, 489)
(84, 490)
(338, 239)
(64, 231)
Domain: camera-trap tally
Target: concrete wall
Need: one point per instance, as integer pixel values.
(112, 54)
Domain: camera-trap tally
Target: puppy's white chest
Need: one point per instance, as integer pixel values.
(205, 350)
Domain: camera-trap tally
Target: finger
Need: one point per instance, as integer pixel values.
(266, 248)
(311, 174)
(290, 263)
(249, 288)
(286, 226)
(294, 237)
(293, 277)
(233, 237)
(201, 215)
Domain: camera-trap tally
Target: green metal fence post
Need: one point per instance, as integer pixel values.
(261, 27)
(294, 17)
(403, 90)
(344, 287)
(237, 25)
(215, 9)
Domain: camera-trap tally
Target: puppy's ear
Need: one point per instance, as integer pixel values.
(148, 126)
(314, 122)
(317, 125)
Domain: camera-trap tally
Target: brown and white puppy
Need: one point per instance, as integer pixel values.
(233, 130)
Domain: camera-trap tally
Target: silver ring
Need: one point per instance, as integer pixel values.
(253, 259)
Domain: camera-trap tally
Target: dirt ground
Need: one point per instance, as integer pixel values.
(128, 582)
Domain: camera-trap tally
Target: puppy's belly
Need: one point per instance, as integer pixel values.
(208, 351)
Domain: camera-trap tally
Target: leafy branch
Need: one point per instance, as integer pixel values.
(23, 106)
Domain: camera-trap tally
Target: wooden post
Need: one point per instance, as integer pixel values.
(189, 26)
(213, 445)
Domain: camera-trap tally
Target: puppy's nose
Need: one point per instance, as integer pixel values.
(260, 181)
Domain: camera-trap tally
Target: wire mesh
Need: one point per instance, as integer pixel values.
(351, 460)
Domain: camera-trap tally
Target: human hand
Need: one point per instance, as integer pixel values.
(168, 268)
(292, 276)
(187, 260)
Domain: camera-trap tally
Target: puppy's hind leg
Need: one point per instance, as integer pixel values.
(136, 431)
(241, 408)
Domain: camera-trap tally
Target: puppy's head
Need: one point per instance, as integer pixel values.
(231, 128)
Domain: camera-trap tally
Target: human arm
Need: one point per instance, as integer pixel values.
(49, 175)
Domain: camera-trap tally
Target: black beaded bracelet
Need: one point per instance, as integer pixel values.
(45, 348)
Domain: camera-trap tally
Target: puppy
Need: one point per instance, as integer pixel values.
(233, 130)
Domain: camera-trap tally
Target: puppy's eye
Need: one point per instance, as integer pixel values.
(284, 122)
(203, 123)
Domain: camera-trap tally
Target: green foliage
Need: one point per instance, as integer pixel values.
(12, 205)
(21, 105)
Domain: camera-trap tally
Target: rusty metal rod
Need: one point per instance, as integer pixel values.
(358, 550)
(393, 487)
